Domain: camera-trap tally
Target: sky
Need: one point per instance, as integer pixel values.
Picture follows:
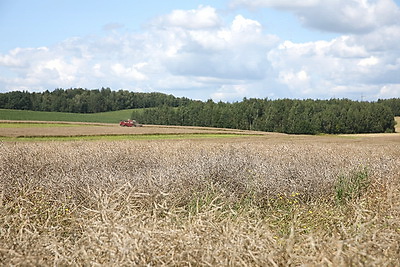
(221, 50)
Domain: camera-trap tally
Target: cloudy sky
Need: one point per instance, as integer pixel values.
(224, 50)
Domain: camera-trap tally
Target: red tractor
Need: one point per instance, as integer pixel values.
(129, 123)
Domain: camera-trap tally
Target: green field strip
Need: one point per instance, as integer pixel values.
(102, 117)
(119, 137)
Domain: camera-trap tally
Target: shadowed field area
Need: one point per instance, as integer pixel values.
(261, 201)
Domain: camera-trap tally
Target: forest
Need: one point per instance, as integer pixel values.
(286, 116)
(292, 116)
(78, 100)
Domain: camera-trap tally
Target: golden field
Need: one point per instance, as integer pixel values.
(263, 200)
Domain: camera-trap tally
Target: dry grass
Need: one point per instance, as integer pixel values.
(27, 129)
(249, 201)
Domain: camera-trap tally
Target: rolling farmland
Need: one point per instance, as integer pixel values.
(28, 130)
(251, 198)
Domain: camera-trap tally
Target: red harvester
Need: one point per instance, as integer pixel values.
(129, 123)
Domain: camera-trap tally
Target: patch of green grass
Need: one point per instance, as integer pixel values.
(102, 117)
(352, 186)
(119, 137)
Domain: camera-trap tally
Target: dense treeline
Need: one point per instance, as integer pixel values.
(284, 115)
(80, 100)
(393, 104)
(288, 116)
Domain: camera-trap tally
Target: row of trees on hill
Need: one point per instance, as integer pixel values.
(80, 100)
(284, 115)
(288, 116)
(393, 104)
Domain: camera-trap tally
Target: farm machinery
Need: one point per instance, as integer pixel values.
(129, 123)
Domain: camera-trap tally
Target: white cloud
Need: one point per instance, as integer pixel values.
(236, 52)
(344, 66)
(389, 91)
(297, 82)
(370, 61)
(243, 25)
(203, 17)
(130, 73)
(231, 92)
(343, 16)
(385, 38)
(344, 47)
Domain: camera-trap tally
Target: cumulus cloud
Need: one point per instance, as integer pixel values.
(385, 38)
(203, 17)
(370, 61)
(298, 82)
(130, 73)
(235, 52)
(342, 16)
(342, 66)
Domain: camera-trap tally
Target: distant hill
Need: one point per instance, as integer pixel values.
(101, 117)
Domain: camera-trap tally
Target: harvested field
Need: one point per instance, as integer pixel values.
(259, 201)
(26, 129)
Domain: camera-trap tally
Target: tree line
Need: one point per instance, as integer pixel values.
(393, 104)
(284, 115)
(80, 100)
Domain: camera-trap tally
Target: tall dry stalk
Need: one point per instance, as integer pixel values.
(246, 202)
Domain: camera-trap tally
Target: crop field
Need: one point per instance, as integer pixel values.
(42, 130)
(62, 130)
(258, 200)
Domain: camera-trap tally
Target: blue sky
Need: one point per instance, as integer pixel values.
(224, 50)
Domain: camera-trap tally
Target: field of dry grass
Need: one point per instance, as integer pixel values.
(274, 200)
(36, 129)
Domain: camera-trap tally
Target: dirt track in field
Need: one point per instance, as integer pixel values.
(92, 129)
